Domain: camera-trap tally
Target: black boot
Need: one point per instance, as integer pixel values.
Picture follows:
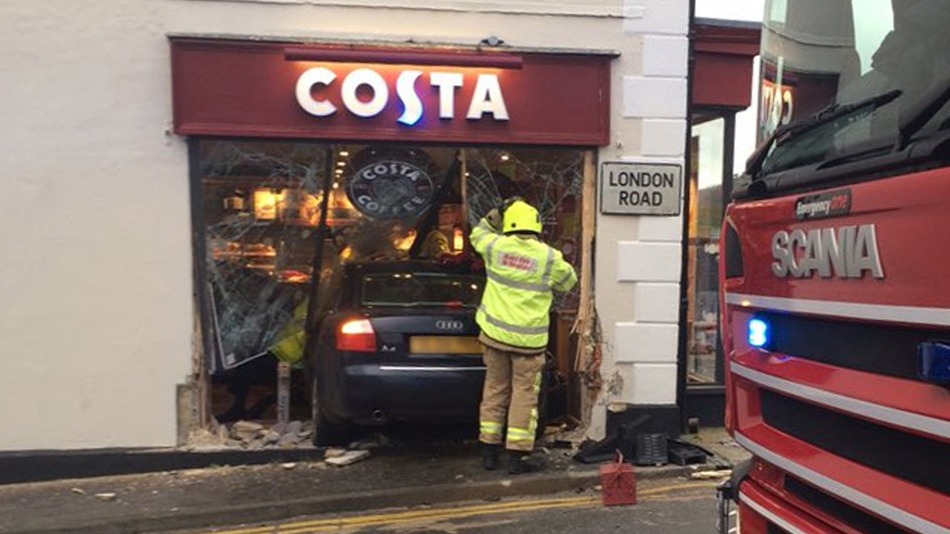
(522, 462)
(490, 456)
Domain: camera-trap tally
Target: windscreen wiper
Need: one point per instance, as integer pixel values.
(922, 112)
(784, 134)
(833, 113)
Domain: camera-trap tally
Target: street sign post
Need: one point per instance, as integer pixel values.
(633, 188)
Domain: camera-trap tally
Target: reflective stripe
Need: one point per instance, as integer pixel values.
(490, 235)
(526, 286)
(520, 434)
(490, 428)
(525, 330)
(491, 246)
(537, 383)
(564, 279)
(548, 265)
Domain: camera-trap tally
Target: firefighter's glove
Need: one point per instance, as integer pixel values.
(494, 219)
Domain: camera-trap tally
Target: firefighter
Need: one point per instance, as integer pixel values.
(522, 271)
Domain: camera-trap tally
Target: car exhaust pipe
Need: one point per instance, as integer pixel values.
(378, 415)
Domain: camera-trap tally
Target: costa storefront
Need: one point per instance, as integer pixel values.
(404, 149)
(217, 162)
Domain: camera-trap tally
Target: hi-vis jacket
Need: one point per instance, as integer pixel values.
(521, 276)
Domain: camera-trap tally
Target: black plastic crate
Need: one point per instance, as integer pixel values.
(651, 449)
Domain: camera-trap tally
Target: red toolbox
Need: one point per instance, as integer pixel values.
(618, 482)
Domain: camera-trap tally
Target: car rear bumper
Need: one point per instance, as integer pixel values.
(374, 393)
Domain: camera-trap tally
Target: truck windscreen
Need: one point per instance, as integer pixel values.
(880, 67)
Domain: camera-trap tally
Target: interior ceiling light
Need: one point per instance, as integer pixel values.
(344, 153)
(341, 164)
(505, 157)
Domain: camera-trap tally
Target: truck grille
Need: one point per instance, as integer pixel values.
(847, 514)
(878, 349)
(910, 457)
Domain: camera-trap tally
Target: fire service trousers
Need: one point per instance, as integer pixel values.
(512, 385)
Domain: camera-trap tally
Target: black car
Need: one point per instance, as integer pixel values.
(399, 344)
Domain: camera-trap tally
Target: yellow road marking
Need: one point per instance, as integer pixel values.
(341, 524)
(450, 513)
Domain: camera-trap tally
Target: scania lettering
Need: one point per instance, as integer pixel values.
(847, 252)
(833, 276)
(486, 99)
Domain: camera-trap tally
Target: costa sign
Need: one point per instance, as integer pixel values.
(390, 190)
(487, 98)
(383, 94)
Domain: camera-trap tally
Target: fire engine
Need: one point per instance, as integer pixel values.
(835, 275)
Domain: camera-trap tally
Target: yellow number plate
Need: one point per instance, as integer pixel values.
(444, 345)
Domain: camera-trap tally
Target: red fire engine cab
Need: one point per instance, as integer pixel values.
(835, 275)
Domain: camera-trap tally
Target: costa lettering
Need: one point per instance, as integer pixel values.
(845, 252)
(487, 97)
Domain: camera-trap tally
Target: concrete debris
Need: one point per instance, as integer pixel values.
(246, 427)
(288, 465)
(249, 435)
(333, 453)
(288, 441)
(78, 491)
(348, 458)
(710, 475)
(106, 497)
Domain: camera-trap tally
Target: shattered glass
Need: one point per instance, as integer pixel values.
(262, 209)
(549, 179)
(261, 204)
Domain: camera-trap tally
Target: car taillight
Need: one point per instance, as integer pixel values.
(356, 335)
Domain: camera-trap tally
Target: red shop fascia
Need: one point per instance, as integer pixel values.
(334, 92)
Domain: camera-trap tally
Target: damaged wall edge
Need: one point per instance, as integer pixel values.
(587, 325)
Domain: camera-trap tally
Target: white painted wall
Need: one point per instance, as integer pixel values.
(95, 283)
(639, 258)
(96, 290)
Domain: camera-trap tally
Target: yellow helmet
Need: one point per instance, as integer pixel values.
(521, 217)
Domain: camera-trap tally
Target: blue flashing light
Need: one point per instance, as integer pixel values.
(934, 361)
(758, 332)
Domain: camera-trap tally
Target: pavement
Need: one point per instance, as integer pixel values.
(390, 477)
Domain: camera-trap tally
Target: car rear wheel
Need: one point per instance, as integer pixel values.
(326, 433)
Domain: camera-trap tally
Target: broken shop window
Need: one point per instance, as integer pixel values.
(549, 179)
(261, 208)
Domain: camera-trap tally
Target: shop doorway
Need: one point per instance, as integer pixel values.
(711, 177)
(276, 222)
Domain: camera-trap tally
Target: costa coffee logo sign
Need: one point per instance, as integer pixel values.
(390, 189)
(487, 97)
